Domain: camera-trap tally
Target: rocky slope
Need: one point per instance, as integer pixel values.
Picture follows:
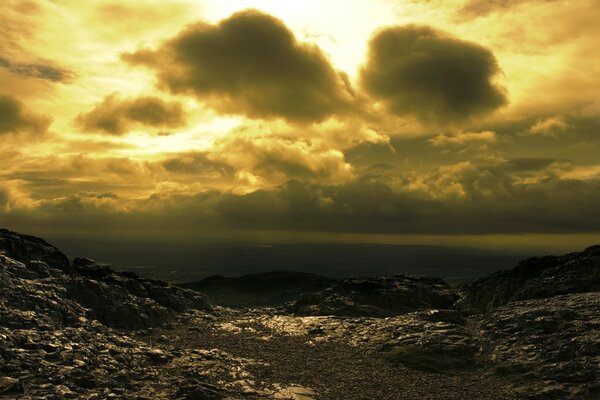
(81, 330)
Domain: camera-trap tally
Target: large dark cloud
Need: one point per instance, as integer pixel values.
(14, 118)
(116, 116)
(250, 64)
(418, 71)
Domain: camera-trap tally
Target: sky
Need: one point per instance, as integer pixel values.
(465, 122)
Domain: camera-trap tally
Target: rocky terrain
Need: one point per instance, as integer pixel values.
(75, 329)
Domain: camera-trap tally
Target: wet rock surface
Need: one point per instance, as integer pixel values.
(376, 296)
(548, 348)
(80, 330)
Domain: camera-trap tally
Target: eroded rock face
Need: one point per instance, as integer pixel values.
(539, 277)
(377, 297)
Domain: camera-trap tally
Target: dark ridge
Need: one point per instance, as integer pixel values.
(263, 289)
(537, 277)
(26, 248)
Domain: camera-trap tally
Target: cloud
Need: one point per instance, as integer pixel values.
(14, 118)
(418, 71)
(463, 138)
(479, 8)
(55, 176)
(460, 198)
(550, 126)
(249, 64)
(12, 196)
(456, 199)
(39, 71)
(116, 116)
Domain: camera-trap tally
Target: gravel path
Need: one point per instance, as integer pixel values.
(334, 370)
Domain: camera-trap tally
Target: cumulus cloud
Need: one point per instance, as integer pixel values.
(551, 126)
(116, 116)
(14, 118)
(249, 64)
(418, 71)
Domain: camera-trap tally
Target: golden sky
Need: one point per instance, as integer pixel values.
(457, 122)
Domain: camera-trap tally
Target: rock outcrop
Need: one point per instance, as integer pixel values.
(33, 271)
(548, 348)
(539, 277)
(28, 249)
(376, 296)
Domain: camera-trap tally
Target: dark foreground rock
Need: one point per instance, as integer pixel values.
(538, 277)
(548, 348)
(33, 271)
(377, 296)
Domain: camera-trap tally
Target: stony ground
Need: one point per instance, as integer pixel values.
(77, 330)
(315, 365)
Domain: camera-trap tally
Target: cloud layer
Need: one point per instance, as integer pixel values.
(418, 71)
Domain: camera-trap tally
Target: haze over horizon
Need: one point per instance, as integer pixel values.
(463, 123)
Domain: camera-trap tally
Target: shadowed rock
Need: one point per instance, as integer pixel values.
(25, 248)
(377, 297)
(538, 277)
(264, 289)
(37, 276)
